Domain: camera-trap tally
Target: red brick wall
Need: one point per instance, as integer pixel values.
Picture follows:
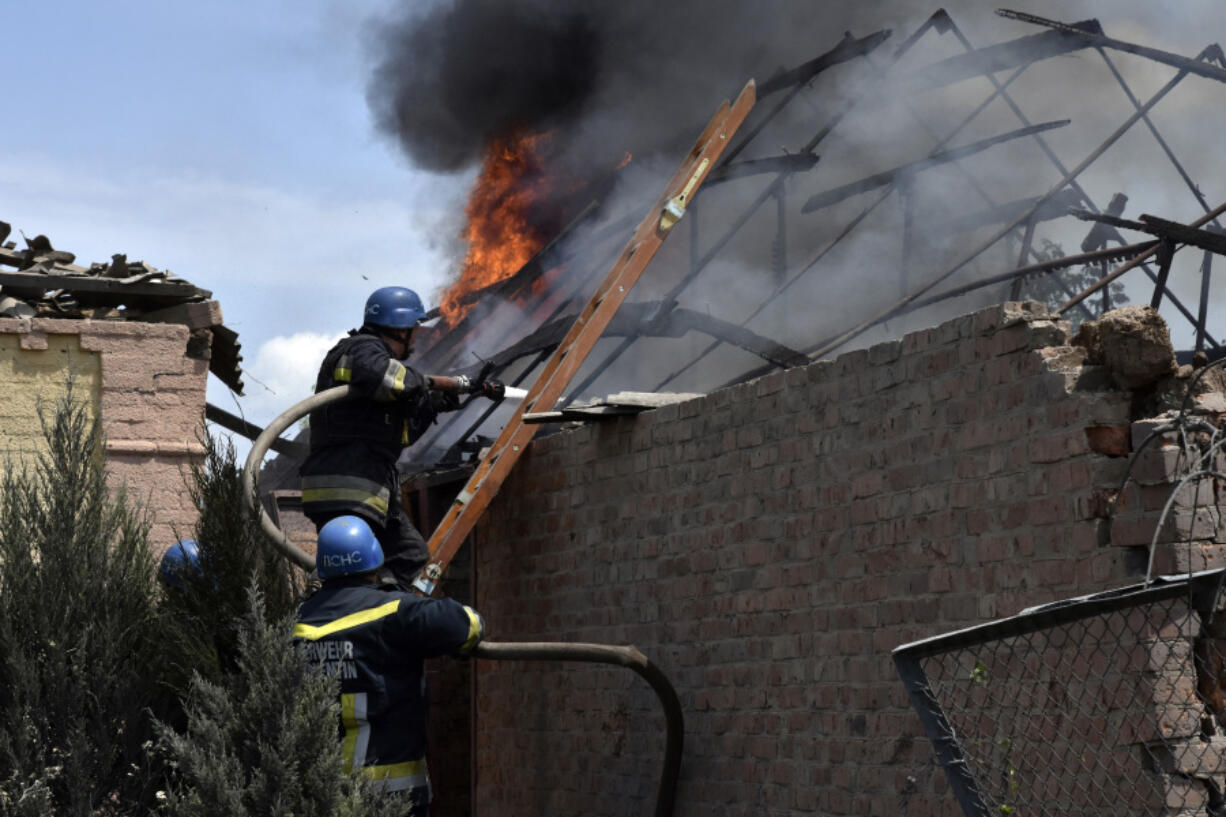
(768, 545)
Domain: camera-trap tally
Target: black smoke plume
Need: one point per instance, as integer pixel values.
(604, 77)
(466, 72)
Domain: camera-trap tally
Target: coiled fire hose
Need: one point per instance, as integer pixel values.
(627, 656)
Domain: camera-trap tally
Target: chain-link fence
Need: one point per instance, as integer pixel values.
(1110, 704)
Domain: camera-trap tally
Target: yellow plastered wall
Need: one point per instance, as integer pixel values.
(34, 378)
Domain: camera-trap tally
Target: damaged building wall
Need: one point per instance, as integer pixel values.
(35, 378)
(138, 379)
(769, 544)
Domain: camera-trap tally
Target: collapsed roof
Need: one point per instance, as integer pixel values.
(911, 186)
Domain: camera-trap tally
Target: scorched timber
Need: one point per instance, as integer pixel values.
(1100, 41)
(1004, 56)
(837, 194)
(848, 49)
(1065, 181)
(654, 319)
(1057, 206)
(1114, 274)
(1127, 251)
(788, 163)
(1162, 228)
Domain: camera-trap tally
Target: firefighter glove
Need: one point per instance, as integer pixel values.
(493, 389)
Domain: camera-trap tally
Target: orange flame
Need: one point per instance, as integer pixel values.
(500, 232)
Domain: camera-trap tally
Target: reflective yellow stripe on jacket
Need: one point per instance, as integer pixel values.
(357, 731)
(356, 742)
(343, 372)
(313, 633)
(474, 629)
(392, 385)
(399, 776)
(347, 489)
(344, 495)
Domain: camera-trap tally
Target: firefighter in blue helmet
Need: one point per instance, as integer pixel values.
(179, 560)
(374, 641)
(355, 443)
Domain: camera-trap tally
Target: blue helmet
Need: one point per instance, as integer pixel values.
(181, 557)
(346, 547)
(394, 308)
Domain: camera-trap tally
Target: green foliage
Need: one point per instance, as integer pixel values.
(1055, 288)
(264, 741)
(233, 548)
(203, 611)
(78, 651)
(94, 655)
(258, 735)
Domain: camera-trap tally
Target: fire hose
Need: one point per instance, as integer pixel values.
(627, 656)
(260, 447)
(630, 658)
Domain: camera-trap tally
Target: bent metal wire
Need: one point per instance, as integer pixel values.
(1102, 705)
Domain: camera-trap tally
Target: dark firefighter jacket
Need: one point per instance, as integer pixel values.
(351, 467)
(374, 641)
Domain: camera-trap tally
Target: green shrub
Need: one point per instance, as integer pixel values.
(78, 647)
(202, 613)
(96, 658)
(258, 734)
(264, 741)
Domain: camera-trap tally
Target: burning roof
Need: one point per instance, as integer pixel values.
(912, 184)
(503, 233)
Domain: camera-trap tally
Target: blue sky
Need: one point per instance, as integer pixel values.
(230, 143)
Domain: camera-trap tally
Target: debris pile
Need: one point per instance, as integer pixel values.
(43, 282)
(1132, 342)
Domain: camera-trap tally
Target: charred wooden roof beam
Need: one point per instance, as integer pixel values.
(848, 49)
(1114, 274)
(787, 163)
(942, 22)
(1056, 207)
(1005, 56)
(1191, 66)
(1209, 240)
(1068, 178)
(1001, 90)
(1153, 129)
(837, 194)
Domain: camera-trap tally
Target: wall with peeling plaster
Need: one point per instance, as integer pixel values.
(769, 544)
(138, 379)
(37, 378)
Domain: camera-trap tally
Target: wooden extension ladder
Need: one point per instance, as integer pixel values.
(484, 483)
